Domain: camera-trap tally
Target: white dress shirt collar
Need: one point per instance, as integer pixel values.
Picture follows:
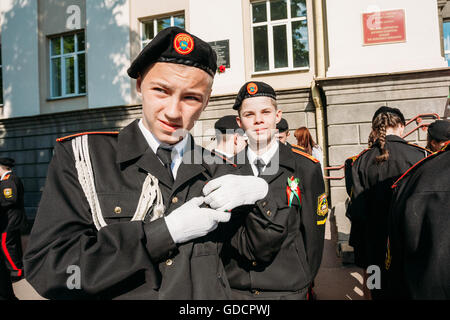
(154, 143)
(266, 156)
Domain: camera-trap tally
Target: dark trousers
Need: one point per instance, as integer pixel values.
(6, 289)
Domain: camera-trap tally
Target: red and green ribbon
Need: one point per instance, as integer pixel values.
(293, 190)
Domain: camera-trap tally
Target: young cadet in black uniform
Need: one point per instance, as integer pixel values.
(418, 259)
(230, 137)
(438, 134)
(373, 172)
(122, 214)
(12, 206)
(277, 252)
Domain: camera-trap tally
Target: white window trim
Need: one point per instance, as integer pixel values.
(62, 57)
(448, 49)
(155, 25)
(1, 78)
(270, 25)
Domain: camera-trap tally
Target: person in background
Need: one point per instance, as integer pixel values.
(438, 134)
(418, 248)
(230, 138)
(306, 141)
(373, 172)
(283, 131)
(12, 206)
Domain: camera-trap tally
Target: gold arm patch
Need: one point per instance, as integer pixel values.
(7, 192)
(322, 205)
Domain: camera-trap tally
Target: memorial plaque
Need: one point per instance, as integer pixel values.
(384, 27)
(222, 49)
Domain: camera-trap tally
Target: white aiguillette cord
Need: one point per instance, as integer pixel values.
(150, 188)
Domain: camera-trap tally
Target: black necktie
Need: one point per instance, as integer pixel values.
(166, 157)
(259, 163)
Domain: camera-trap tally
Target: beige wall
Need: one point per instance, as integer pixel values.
(52, 21)
(279, 80)
(143, 9)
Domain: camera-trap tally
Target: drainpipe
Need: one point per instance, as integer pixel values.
(320, 127)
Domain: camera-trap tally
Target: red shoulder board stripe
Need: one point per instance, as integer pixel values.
(417, 146)
(305, 155)
(417, 164)
(359, 155)
(297, 146)
(223, 158)
(83, 133)
(6, 177)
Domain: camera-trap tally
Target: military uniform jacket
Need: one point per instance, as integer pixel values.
(125, 259)
(278, 247)
(12, 203)
(371, 197)
(418, 259)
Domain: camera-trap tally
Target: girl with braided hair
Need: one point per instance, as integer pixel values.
(373, 172)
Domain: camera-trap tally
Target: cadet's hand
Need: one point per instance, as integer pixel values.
(190, 221)
(231, 191)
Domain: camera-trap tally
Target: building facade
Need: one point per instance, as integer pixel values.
(332, 62)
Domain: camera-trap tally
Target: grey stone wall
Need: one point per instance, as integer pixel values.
(30, 140)
(351, 103)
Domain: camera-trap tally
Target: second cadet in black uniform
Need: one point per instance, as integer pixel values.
(12, 206)
(277, 252)
(418, 251)
(122, 214)
(373, 172)
(230, 138)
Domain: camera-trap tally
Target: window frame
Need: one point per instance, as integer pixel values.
(62, 56)
(1, 77)
(270, 24)
(446, 52)
(155, 19)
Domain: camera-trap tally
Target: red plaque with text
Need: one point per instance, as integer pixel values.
(384, 27)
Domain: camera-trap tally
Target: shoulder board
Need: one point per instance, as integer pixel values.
(84, 133)
(305, 155)
(6, 177)
(297, 146)
(359, 155)
(419, 163)
(417, 146)
(224, 158)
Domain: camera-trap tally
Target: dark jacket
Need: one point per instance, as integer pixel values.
(125, 259)
(419, 240)
(12, 203)
(276, 247)
(371, 197)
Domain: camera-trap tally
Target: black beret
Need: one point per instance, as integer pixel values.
(175, 45)
(226, 123)
(7, 162)
(282, 126)
(253, 89)
(440, 130)
(385, 109)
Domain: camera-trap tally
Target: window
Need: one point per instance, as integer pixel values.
(1, 77)
(67, 65)
(447, 41)
(280, 35)
(150, 28)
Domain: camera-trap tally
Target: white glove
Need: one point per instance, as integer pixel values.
(190, 221)
(231, 191)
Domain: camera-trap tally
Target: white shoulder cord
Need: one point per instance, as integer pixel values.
(150, 188)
